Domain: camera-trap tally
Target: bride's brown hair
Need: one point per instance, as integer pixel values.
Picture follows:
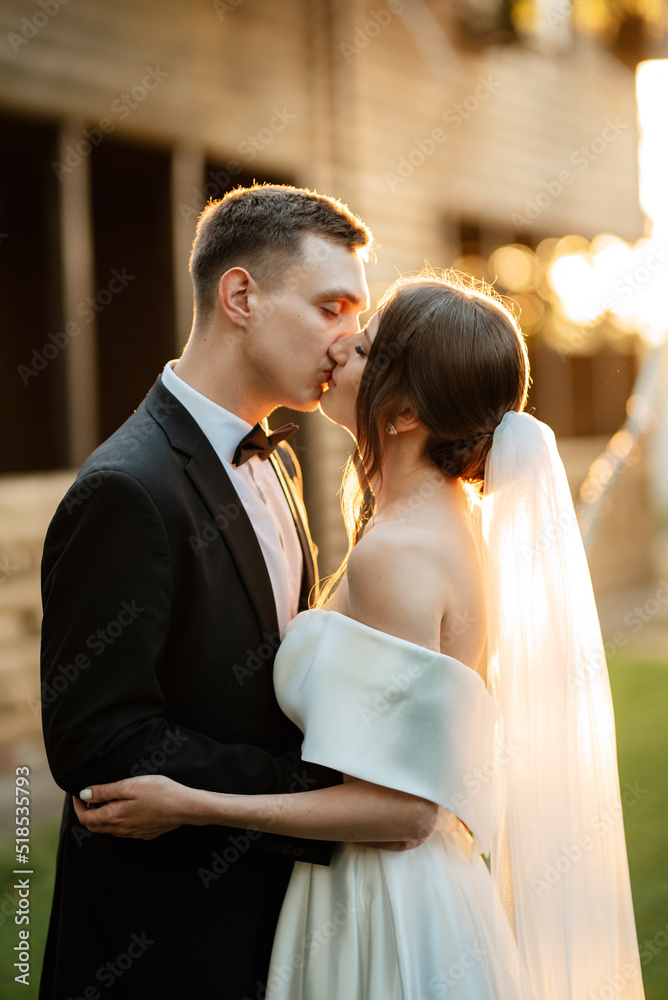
(448, 348)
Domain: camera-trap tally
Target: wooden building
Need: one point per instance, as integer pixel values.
(451, 133)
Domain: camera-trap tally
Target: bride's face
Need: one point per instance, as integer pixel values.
(350, 354)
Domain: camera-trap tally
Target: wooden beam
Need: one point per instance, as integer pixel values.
(187, 180)
(78, 264)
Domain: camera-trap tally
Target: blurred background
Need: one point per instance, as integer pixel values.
(522, 141)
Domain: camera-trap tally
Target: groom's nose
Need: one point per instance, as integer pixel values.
(339, 350)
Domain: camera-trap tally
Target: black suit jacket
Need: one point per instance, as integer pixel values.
(158, 642)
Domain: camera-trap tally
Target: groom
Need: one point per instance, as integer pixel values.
(170, 570)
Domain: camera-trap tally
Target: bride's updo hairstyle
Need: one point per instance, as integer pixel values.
(448, 348)
(453, 352)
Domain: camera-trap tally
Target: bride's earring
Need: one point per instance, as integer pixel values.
(391, 429)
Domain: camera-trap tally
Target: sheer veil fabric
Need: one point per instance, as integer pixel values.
(558, 852)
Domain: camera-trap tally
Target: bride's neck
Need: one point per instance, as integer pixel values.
(406, 476)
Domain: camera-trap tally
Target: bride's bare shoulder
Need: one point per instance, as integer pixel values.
(416, 547)
(390, 586)
(385, 543)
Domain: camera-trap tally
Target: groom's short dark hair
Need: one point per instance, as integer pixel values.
(261, 228)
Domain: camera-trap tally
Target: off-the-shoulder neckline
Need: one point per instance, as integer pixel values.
(396, 638)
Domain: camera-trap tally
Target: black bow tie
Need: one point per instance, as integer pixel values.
(258, 443)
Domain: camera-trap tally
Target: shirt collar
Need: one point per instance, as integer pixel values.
(223, 429)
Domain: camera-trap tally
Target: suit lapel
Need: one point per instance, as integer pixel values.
(231, 519)
(228, 515)
(298, 511)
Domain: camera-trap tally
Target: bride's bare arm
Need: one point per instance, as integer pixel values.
(382, 593)
(149, 805)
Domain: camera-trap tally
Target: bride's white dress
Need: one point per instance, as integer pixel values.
(528, 763)
(379, 924)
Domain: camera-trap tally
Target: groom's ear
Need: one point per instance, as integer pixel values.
(234, 289)
(406, 420)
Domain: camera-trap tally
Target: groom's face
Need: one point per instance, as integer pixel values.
(296, 326)
(340, 400)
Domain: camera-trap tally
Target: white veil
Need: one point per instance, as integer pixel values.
(558, 854)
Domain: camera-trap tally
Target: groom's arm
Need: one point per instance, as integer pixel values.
(108, 599)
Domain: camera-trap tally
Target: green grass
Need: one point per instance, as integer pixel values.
(43, 843)
(640, 693)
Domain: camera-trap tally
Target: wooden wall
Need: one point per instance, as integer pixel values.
(339, 95)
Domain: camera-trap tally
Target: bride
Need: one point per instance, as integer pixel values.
(453, 669)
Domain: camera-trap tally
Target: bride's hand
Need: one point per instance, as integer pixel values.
(389, 845)
(142, 807)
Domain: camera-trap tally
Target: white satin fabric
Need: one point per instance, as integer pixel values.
(384, 925)
(558, 853)
(537, 750)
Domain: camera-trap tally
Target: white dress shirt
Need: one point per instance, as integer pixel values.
(259, 491)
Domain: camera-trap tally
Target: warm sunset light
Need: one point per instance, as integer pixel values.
(652, 94)
(609, 276)
(625, 281)
(335, 367)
